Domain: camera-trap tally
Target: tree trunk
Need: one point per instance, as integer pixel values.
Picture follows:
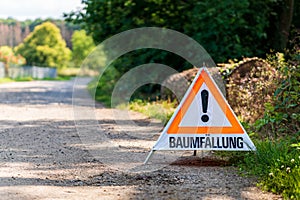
(285, 20)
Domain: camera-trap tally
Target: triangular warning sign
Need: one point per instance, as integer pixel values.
(203, 121)
(204, 110)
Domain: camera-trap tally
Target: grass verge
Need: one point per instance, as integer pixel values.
(277, 165)
(5, 80)
(161, 110)
(22, 79)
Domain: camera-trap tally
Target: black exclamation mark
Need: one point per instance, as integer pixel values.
(204, 98)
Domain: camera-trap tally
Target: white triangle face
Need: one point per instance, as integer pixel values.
(192, 117)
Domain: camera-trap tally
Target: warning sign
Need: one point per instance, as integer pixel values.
(204, 110)
(204, 121)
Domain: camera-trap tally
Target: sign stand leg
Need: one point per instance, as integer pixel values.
(149, 156)
(195, 153)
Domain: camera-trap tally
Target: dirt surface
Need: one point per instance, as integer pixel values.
(43, 155)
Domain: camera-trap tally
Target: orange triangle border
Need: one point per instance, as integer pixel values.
(204, 77)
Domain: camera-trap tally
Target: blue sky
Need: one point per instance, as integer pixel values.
(32, 9)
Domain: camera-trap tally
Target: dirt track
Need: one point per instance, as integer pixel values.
(42, 156)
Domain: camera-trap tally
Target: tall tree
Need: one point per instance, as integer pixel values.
(82, 45)
(45, 47)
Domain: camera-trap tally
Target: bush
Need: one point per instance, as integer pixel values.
(283, 117)
(277, 164)
(277, 160)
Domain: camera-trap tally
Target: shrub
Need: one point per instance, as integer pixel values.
(283, 117)
(277, 164)
(277, 160)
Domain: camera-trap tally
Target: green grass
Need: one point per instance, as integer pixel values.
(72, 72)
(69, 72)
(277, 165)
(5, 80)
(58, 78)
(22, 79)
(63, 75)
(161, 110)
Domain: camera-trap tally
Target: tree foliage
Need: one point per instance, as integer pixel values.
(82, 45)
(226, 29)
(8, 57)
(13, 32)
(45, 47)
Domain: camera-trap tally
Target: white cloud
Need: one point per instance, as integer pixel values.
(32, 9)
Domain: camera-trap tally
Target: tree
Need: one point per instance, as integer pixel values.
(82, 45)
(45, 47)
(7, 56)
(226, 29)
(282, 22)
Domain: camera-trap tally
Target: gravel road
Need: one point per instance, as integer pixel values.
(43, 155)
